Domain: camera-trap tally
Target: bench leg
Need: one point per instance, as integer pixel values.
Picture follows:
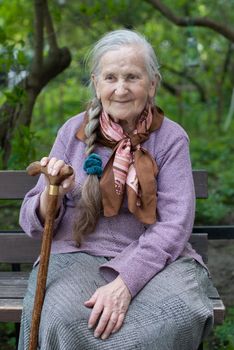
(17, 331)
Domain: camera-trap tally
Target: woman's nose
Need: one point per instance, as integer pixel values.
(121, 88)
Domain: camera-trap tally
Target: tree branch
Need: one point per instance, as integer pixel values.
(38, 34)
(220, 28)
(54, 64)
(221, 83)
(188, 77)
(51, 36)
(170, 88)
(227, 61)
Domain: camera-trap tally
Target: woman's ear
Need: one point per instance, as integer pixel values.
(153, 87)
(95, 84)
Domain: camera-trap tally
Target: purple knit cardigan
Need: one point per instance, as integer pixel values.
(138, 251)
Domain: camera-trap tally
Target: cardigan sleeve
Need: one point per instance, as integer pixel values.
(164, 241)
(28, 219)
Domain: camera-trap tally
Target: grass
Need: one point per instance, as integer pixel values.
(222, 337)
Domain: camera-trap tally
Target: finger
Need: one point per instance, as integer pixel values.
(95, 314)
(50, 165)
(118, 323)
(102, 323)
(57, 167)
(92, 299)
(110, 326)
(44, 161)
(68, 182)
(89, 303)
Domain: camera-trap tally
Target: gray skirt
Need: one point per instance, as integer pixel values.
(172, 312)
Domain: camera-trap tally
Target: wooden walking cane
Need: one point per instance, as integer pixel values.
(54, 182)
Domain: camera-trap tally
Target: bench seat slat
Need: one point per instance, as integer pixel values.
(13, 292)
(10, 310)
(13, 277)
(213, 293)
(13, 286)
(219, 311)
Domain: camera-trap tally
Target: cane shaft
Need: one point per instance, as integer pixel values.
(43, 269)
(54, 181)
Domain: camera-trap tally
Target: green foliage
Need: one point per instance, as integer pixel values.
(14, 96)
(54, 106)
(225, 332)
(222, 337)
(7, 339)
(214, 152)
(24, 147)
(9, 214)
(1, 158)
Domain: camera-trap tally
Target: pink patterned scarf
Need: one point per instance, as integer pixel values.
(123, 164)
(130, 167)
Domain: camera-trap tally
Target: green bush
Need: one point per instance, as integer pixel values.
(222, 337)
(7, 336)
(214, 153)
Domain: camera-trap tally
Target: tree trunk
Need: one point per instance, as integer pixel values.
(17, 110)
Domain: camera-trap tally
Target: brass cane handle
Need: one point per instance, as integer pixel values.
(36, 168)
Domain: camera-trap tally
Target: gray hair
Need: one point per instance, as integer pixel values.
(116, 39)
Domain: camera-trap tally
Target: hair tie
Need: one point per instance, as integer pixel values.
(93, 165)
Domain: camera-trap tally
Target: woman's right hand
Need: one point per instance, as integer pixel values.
(54, 166)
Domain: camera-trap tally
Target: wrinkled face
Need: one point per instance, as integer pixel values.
(123, 84)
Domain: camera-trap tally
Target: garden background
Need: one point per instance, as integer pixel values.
(44, 81)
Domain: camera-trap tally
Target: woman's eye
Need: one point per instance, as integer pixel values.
(109, 77)
(132, 77)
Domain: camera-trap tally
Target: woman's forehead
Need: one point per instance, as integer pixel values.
(127, 57)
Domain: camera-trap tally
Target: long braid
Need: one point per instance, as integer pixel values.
(92, 125)
(89, 206)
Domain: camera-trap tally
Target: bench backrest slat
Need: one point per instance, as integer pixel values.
(200, 178)
(199, 242)
(14, 184)
(17, 247)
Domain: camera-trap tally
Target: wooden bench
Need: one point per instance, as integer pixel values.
(17, 249)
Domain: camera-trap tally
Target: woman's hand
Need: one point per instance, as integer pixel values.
(110, 304)
(54, 166)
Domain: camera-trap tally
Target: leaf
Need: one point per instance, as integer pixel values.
(2, 36)
(21, 58)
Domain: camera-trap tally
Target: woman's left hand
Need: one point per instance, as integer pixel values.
(110, 304)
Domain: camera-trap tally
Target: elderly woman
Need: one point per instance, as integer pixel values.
(122, 274)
